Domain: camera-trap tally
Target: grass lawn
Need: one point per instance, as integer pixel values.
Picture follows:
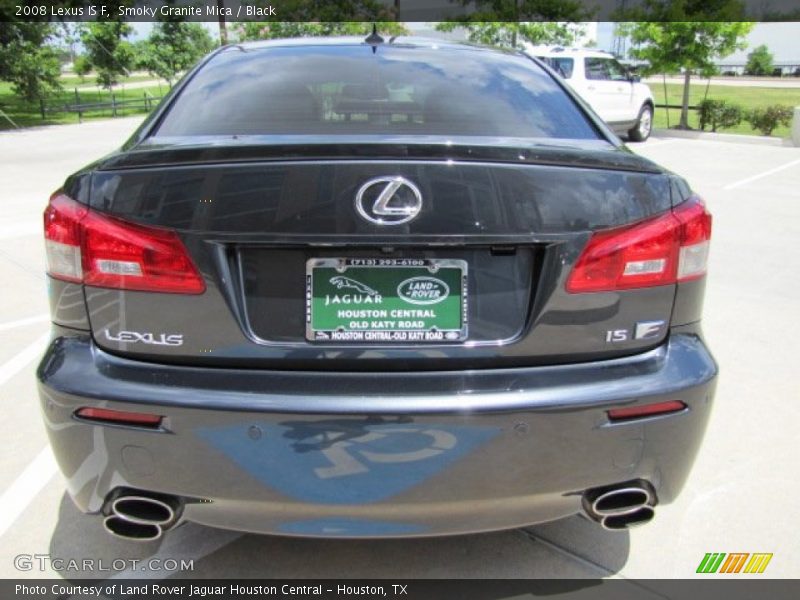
(72, 81)
(25, 114)
(746, 97)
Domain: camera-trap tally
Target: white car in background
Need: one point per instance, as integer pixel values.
(608, 86)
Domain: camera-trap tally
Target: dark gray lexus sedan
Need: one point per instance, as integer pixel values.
(378, 288)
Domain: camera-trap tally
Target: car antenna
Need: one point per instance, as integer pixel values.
(373, 39)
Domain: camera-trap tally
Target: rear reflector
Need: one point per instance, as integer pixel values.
(119, 417)
(647, 410)
(88, 247)
(670, 248)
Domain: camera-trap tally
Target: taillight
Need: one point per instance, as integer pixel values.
(84, 246)
(670, 248)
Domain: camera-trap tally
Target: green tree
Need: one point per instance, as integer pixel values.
(688, 35)
(107, 51)
(508, 23)
(513, 34)
(172, 47)
(81, 66)
(759, 61)
(29, 61)
(525, 10)
(312, 18)
(256, 30)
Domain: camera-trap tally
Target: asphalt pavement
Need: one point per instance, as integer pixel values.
(741, 496)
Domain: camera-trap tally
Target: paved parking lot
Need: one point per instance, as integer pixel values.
(742, 495)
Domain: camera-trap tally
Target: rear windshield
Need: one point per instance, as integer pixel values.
(397, 90)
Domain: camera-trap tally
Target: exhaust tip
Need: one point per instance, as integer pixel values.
(621, 501)
(143, 510)
(639, 517)
(128, 530)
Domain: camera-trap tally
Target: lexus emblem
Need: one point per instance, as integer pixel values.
(388, 200)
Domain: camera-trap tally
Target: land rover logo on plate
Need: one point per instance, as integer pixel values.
(423, 290)
(388, 200)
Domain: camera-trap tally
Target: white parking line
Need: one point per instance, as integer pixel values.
(10, 231)
(22, 358)
(36, 475)
(742, 182)
(23, 491)
(22, 322)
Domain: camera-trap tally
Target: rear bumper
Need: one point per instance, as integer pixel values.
(366, 454)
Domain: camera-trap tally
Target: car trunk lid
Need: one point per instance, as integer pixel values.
(253, 218)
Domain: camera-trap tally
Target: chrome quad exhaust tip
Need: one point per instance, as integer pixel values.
(141, 518)
(621, 507)
(139, 532)
(638, 517)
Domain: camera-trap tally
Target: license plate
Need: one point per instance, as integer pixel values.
(386, 300)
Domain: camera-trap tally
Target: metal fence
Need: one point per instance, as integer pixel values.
(146, 103)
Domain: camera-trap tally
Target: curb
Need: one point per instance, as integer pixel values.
(722, 137)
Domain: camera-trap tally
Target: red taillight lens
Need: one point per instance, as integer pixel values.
(132, 257)
(661, 251)
(647, 410)
(638, 256)
(118, 417)
(102, 251)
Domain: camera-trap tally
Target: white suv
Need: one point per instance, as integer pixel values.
(619, 98)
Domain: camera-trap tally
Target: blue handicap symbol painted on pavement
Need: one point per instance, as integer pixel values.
(346, 460)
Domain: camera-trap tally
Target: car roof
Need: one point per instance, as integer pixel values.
(390, 41)
(556, 51)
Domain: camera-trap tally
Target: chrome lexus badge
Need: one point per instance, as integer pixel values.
(388, 200)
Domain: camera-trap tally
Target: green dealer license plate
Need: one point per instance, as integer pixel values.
(385, 300)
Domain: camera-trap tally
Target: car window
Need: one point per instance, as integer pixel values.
(564, 66)
(348, 90)
(616, 71)
(605, 68)
(595, 68)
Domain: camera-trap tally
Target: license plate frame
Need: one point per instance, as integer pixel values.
(414, 287)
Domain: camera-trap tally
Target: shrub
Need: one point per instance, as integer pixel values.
(768, 119)
(759, 62)
(719, 114)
